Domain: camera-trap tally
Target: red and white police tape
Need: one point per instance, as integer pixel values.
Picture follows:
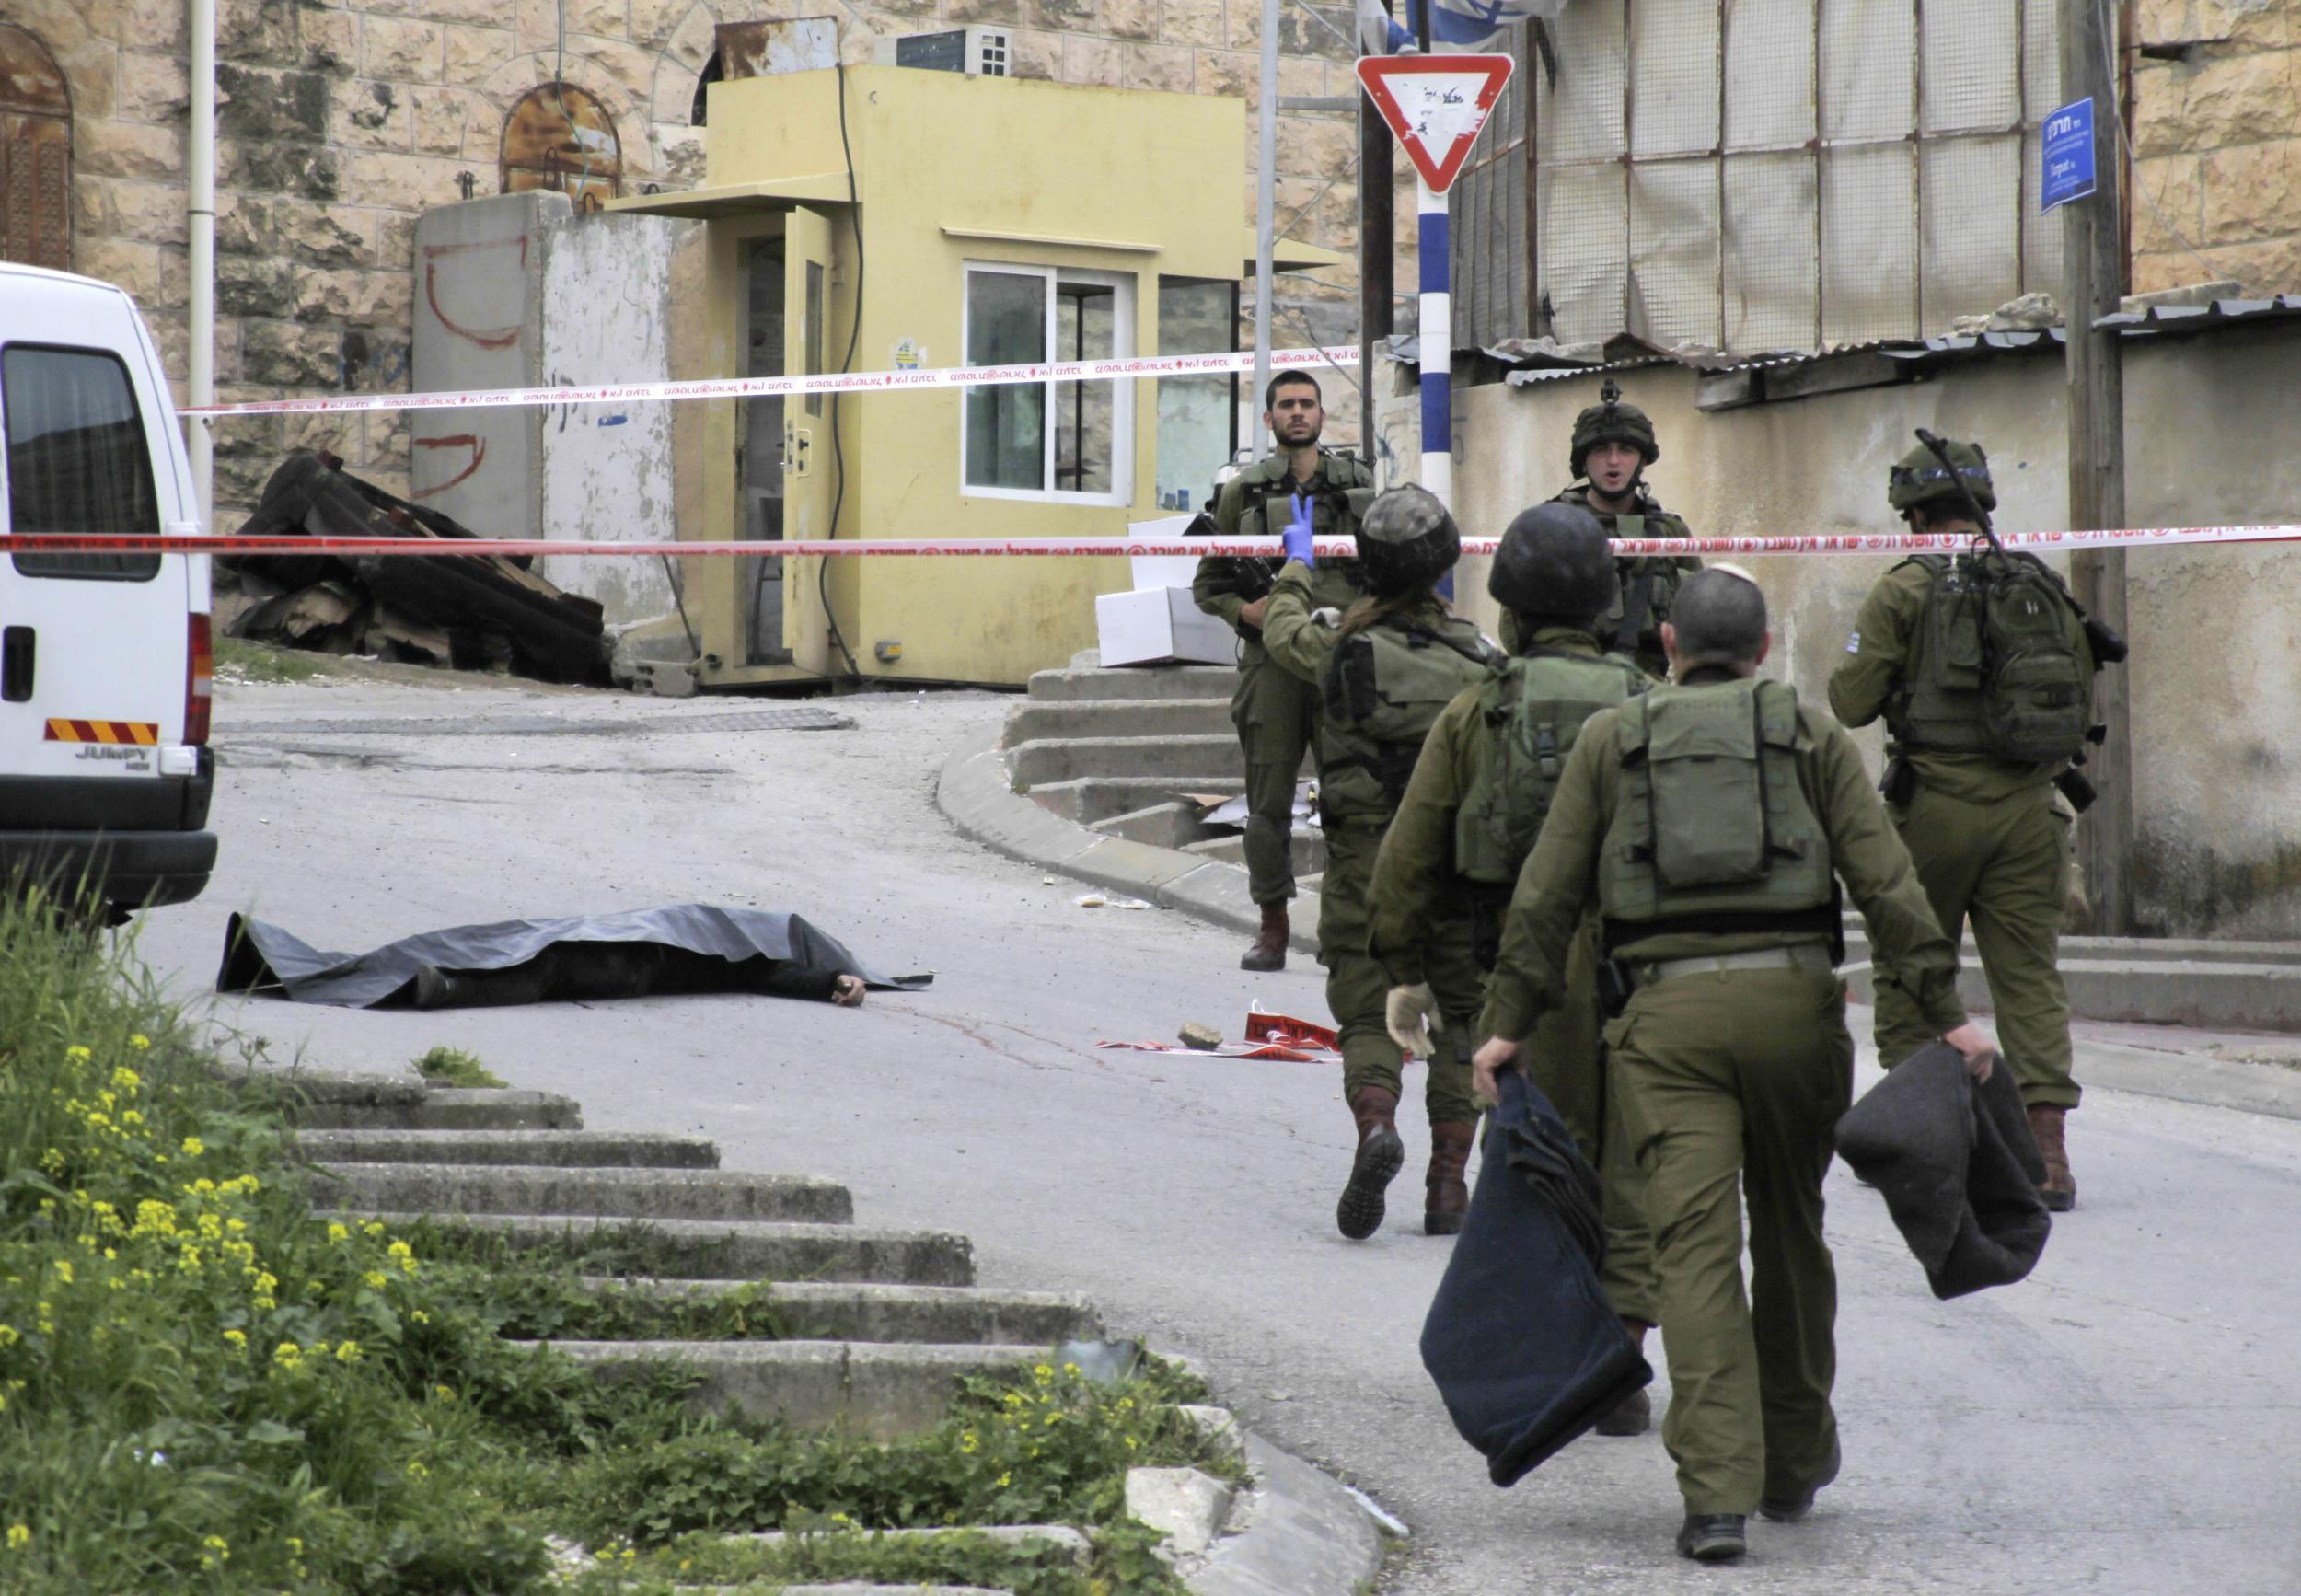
(772, 386)
(1065, 547)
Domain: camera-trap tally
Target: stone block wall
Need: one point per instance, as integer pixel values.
(341, 123)
(2218, 143)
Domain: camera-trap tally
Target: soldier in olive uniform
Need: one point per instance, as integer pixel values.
(1613, 443)
(1463, 832)
(1275, 711)
(1989, 834)
(1708, 820)
(1384, 669)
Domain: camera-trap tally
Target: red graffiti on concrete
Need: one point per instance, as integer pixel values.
(477, 445)
(494, 338)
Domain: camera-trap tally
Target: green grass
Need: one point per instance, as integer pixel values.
(258, 662)
(204, 1388)
(445, 1066)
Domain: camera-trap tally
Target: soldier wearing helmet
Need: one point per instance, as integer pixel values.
(1469, 818)
(1613, 443)
(1976, 754)
(1383, 669)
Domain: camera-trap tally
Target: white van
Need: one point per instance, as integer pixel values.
(105, 661)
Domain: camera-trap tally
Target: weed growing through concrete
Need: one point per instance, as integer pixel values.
(238, 660)
(445, 1066)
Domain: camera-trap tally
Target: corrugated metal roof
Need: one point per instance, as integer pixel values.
(2153, 321)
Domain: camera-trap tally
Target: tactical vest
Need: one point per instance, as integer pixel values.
(1266, 507)
(1531, 712)
(1633, 623)
(1381, 693)
(2002, 667)
(1712, 832)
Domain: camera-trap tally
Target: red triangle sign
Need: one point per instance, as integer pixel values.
(1435, 105)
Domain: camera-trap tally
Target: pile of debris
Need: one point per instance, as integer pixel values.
(474, 612)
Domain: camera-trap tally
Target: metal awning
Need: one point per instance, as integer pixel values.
(739, 199)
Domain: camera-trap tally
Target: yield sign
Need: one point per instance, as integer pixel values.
(1436, 104)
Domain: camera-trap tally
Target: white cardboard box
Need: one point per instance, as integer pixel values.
(1157, 625)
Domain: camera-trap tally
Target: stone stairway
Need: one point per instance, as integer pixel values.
(880, 1326)
(1110, 750)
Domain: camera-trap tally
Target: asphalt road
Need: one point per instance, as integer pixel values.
(2125, 1422)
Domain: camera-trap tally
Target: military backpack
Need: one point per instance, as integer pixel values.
(2003, 665)
(1713, 833)
(1532, 710)
(1380, 694)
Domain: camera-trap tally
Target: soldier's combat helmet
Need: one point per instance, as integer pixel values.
(1612, 422)
(1920, 477)
(1554, 561)
(1406, 540)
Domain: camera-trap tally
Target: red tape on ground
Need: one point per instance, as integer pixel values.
(1072, 548)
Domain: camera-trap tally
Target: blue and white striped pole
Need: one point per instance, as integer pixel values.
(1437, 340)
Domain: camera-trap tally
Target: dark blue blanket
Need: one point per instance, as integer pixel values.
(1520, 1340)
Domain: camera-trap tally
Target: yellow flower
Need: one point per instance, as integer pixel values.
(967, 1442)
(444, 1392)
(376, 1278)
(76, 1055)
(418, 1315)
(338, 1233)
(1006, 1479)
(349, 1352)
(63, 1270)
(416, 1471)
(9, 1336)
(287, 1355)
(296, 1545)
(194, 1147)
(139, 1042)
(238, 1338)
(19, 1537)
(214, 1552)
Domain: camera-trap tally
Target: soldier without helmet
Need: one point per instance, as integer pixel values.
(1613, 443)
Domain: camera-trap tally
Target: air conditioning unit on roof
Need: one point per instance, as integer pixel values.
(977, 51)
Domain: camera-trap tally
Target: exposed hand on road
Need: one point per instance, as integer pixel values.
(1298, 535)
(1252, 614)
(1978, 1046)
(1407, 1014)
(848, 992)
(1493, 1055)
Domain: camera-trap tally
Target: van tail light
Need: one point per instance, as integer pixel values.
(198, 681)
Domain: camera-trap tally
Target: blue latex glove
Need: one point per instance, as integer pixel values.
(1298, 534)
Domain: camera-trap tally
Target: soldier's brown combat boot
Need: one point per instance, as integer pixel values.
(1359, 1213)
(2059, 1190)
(1446, 1195)
(1268, 950)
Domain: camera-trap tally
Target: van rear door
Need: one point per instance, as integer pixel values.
(94, 648)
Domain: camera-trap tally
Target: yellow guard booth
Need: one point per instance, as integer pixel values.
(993, 221)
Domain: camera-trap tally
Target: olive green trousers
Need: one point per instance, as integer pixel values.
(1358, 992)
(1275, 713)
(1566, 1059)
(1732, 1086)
(2004, 867)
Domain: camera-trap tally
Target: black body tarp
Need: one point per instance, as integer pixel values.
(1956, 1166)
(1520, 1340)
(702, 948)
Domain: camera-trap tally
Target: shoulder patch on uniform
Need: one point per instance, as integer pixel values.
(1853, 644)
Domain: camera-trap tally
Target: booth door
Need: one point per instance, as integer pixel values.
(810, 473)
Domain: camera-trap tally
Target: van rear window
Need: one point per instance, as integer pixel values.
(78, 459)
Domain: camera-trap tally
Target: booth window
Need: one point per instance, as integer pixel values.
(35, 152)
(561, 139)
(1058, 440)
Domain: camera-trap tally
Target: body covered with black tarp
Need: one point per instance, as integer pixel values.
(687, 948)
(1520, 1340)
(1956, 1166)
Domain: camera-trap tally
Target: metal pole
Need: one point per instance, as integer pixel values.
(199, 226)
(2093, 257)
(1437, 339)
(1266, 219)
(1377, 257)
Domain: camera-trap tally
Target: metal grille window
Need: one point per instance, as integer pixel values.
(35, 154)
(1758, 174)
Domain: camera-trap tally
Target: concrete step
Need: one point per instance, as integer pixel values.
(1088, 799)
(1309, 844)
(2145, 950)
(1174, 824)
(879, 1393)
(2201, 994)
(1192, 681)
(639, 1194)
(558, 1148)
(447, 1108)
(759, 1250)
(1058, 1542)
(953, 1315)
(1028, 722)
(1180, 760)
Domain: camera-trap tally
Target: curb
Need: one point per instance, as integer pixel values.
(976, 795)
(2189, 1078)
(1301, 1533)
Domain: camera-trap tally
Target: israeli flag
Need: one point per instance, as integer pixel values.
(1457, 27)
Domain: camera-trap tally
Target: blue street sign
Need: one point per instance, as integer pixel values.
(2067, 155)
